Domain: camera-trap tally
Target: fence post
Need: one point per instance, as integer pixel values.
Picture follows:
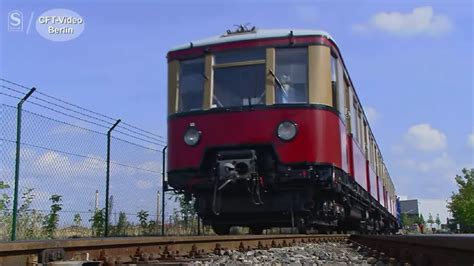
(107, 182)
(164, 188)
(17, 161)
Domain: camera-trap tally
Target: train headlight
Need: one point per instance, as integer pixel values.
(287, 130)
(192, 136)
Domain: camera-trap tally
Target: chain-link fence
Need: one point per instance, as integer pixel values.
(58, 164)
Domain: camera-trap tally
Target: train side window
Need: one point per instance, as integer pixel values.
(369, 149)
(354, 117)
(361, 129)
(340, 87)
(376, 161)
(334, 85)
(191, 85)
(372, 147)
(355, 121)
(365, 140)
(291, 75)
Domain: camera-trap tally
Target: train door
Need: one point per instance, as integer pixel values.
(347, 104)
(348, 96)
(338, 77)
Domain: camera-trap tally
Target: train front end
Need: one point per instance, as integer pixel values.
(252, 127)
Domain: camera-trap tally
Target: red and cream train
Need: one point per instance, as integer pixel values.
(265, 129)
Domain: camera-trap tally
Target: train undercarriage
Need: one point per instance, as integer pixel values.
(247, 187)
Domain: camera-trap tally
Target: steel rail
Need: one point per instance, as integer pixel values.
(418, 249)
(144, 249)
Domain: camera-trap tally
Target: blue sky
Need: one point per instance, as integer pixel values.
(411, 63)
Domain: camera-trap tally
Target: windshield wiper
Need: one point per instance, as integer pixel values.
(279, 83)
(218, 103)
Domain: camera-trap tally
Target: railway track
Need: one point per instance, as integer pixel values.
(144, 250)
(386, 249)
(417, 249)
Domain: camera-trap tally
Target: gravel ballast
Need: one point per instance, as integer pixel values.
(301, 254)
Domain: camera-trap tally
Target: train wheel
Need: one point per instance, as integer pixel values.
(256, 230)
(221, 229)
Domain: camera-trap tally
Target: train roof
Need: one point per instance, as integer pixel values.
(253, 35)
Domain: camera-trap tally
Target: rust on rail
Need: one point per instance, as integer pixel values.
(144, 249)
(419, 249)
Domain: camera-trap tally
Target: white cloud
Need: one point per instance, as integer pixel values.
(55, 164)
(470, 140)
(420, 21)
(372, 114)
(425, 138)
(442, 165)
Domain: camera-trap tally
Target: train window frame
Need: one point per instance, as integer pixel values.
(372, 146)
(377, 166)
(375, 160)
(248, 60)
(279, 88)
(365, 139)
(369, 145)
(180, 86)
(380, 164)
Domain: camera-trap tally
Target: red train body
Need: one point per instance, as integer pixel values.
(237, 161)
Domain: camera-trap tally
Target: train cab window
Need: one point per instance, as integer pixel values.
(239, 56)
(291, 75)
(239, 78)
(191, 85)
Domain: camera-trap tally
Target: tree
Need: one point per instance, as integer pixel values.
(29, 221)
(462, 202)
(438, 221)
(4, 199)
(187, 211)
(5, 214)
(122, 224)
(77, 219)
(51, 220)
(98, 222)
(420, 219)
(407, 220)
(430, 220)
